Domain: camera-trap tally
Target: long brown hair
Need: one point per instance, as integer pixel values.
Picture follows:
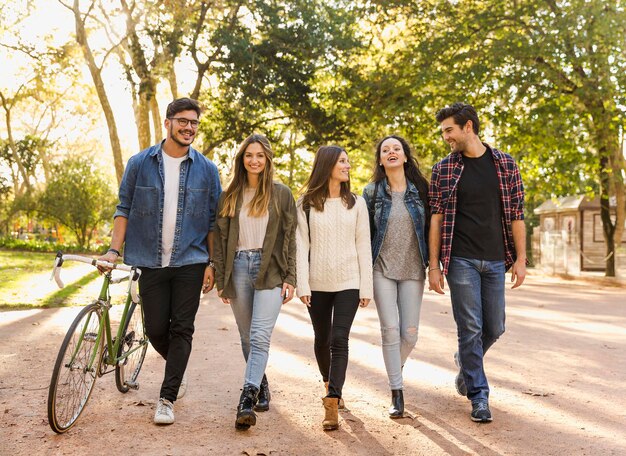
(315, 189)
(261, 199)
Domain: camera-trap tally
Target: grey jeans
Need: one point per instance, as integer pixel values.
(398, 303)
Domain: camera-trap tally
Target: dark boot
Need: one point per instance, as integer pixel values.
(245, 413)
(397, 404)
(263, 403)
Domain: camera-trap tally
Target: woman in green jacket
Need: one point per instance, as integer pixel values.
(255, 262)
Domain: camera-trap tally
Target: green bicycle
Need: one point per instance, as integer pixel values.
(84, 356)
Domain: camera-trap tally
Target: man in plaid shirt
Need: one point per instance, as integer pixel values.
(476, 234)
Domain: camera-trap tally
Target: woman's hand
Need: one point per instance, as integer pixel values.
(224, 300)
(363, 302)
(287, 292)
(306, 300)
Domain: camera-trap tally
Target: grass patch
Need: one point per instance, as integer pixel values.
(15, 266)
(61, 298)
(25, 284)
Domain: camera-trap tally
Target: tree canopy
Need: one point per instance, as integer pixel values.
(547, 78)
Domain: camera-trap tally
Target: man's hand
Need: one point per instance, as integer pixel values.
(306, 300)
(110, 257)
(518, 272)
(287, 292)
(435, 281)
(209, 279)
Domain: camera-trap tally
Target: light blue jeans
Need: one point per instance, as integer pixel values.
(398, 303)
(255, 312)
(477, 294)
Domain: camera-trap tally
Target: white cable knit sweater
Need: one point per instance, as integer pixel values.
(341, 251)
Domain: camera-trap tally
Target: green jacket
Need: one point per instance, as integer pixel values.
(278, 257)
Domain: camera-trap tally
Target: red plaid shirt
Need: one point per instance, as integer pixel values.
(442, 199)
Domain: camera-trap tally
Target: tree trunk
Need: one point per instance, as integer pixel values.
(147, 85)
(16, 156)
(608, 229)
(606, 139)
(143, 119)
(618, 165)
(171, 78)
(156, 120)
(96, 75)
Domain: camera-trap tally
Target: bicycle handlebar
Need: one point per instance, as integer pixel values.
(133, 276)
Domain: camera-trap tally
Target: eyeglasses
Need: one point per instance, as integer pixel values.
(184, 122)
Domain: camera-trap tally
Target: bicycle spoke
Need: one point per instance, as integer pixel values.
(132, 350)
(73, 378)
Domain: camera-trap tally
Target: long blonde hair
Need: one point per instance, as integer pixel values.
(261, 199)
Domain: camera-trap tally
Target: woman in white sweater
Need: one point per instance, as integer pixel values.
(334, 266)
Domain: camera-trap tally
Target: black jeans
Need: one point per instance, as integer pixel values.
(170, 298)
(332, 314)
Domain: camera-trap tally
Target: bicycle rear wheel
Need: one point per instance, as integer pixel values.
(72, 379)
(133, 350)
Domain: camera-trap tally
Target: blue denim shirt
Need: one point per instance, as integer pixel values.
(141, 202)
(379, 216)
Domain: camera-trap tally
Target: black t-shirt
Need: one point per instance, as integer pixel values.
(478, 221)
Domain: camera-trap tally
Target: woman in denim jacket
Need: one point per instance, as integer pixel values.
(255, 263)
(398, 207)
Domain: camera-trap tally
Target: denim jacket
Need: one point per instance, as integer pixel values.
(379, 215)
(141, 202)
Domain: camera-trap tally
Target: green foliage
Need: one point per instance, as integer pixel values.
(79, 197)
(38, 245)
(546, 77)
(274, 57)
(24, 281)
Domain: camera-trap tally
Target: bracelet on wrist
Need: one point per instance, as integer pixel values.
(434, 269)
(211, 264)
(117, 252)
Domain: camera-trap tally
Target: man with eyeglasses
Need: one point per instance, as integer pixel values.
(165, 217)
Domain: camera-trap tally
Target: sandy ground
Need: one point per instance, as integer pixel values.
(557, 376)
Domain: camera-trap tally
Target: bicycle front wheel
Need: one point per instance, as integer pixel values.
(132, 350)
(75, 370)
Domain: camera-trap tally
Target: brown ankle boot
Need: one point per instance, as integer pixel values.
(331, 417)
(342, 405)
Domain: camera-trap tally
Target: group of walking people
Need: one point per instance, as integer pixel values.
(334, 249)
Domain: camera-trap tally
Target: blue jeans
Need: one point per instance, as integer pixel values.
(477, 293)
(398, 303)
(255, 312)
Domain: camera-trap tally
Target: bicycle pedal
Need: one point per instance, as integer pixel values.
(132, 385)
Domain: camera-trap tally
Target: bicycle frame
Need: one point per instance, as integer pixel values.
(104, 302)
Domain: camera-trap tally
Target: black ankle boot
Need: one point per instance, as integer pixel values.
(263, 402)
(397, 404)
(245, 413)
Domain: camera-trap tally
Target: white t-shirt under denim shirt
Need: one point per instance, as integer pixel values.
(171, 171)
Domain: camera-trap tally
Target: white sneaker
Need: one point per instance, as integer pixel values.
(164, 412)
(183, 387)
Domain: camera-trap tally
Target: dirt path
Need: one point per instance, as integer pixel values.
(557, 376)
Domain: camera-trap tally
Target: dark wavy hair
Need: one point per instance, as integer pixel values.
(411, 169)
(461, 113)
(182, 104)
(315, 189)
